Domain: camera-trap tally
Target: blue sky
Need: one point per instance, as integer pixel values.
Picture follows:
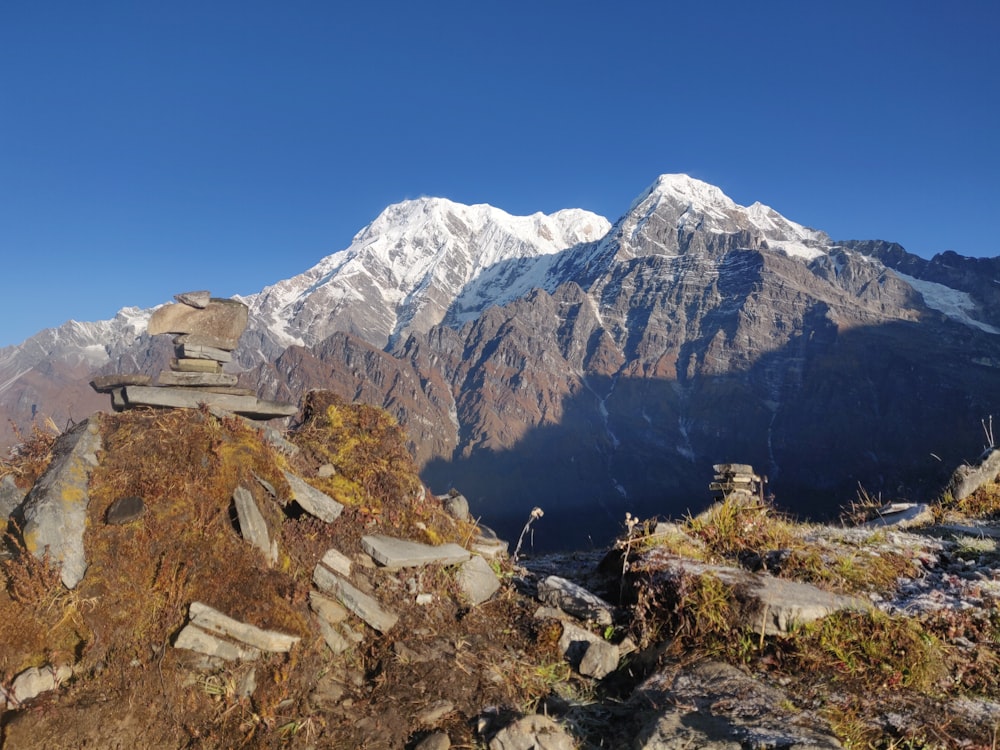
(148, 148)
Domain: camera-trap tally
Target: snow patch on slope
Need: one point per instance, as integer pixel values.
(956, 304)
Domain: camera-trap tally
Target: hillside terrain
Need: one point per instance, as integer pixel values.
(243, 588)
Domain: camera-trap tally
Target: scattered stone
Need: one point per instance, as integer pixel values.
(534, 732)
(199, 299)
(11, 495)
(55, 510)
(424, 599)
(221, 318)
(193, 638)
(402, 553)
(125, 510)
(364, 606)
(431, 714)
(903, 516)
(333, 637)
(247, 684)
(968, 479)
(213, 621)
(477, 581)
(587, 653)
(436, 741)
(326, 471)
(253, 527)
(489, 547)
(456, 505)
(338, 562)
(108, 383)
(716, 706)
(327, 692)
(34, 681)
(331, 611)
(313, 501)
(574, 599)
(268, 487)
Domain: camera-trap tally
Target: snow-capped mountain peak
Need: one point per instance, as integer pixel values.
(402, 271)
(677, 205)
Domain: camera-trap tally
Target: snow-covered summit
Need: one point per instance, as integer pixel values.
(403, 270)
(685, 188)
(677, 204)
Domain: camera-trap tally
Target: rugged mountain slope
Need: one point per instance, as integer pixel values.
(704, 332)
(555, 360)
(402, 272)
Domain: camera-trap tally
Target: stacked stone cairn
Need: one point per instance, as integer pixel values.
(206, 331)
(737, 481)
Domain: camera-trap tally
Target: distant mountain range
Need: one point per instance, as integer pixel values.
(594, 369)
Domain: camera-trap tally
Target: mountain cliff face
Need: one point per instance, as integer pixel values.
(593, 369)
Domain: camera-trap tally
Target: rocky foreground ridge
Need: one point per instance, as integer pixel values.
(183, 578)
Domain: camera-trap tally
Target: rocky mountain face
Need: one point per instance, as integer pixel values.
(594, 370)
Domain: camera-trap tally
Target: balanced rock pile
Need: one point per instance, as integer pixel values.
(207, 330)
(736, 480)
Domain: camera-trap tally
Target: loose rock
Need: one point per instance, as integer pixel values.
(534, 732)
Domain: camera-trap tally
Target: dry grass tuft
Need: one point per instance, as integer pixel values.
(29, 459)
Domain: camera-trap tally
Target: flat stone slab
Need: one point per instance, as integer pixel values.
(903, 516)
(220, 318)
(185, 364)
(574, 599)
(364, 606)
(212, 621)
(775, 606)
(717, 707)
(199, 299)
(199, 339)
(181, 398)
(337, 561)
(402, 553)
(195, 379)
(253, 527)
(196, 639)
(55, 510)
(313, 501)
(200, 351)
(108, 383)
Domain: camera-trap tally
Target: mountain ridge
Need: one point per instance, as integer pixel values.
(691, 330)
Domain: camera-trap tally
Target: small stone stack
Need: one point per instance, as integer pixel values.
(736, 480)
(207, 330)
